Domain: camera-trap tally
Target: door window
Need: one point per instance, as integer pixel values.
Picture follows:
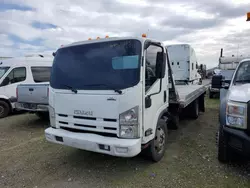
(41, 74)
(16, 75)
(150, 75)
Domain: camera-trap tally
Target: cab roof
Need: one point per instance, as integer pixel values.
(142, 39)
(28, 60)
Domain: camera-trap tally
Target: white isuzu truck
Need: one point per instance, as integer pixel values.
(117, 96)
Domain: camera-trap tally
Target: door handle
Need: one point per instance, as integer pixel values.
(31, 89)
(165, 96)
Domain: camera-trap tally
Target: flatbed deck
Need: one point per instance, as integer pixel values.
(188, 93)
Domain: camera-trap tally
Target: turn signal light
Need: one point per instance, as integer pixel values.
(144, 35)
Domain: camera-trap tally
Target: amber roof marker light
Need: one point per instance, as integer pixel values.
(248, 16)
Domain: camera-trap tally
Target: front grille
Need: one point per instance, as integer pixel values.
(83, 131)
(89, 124)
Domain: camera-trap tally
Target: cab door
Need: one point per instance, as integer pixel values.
(155, 89)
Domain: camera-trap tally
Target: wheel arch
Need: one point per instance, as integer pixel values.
(5, 99)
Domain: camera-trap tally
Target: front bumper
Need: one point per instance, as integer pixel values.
(238, 140)
(31, 107)
(95, 143)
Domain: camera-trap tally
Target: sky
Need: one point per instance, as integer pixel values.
(32, 26)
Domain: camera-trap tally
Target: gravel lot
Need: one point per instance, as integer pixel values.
(28, 160)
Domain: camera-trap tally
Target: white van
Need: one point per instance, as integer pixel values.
(184, 63)
(29, 69)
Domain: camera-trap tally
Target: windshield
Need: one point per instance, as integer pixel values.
(3, 70)
(243, 73)
(103, 65)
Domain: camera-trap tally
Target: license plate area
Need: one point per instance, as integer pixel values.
(29, 105)
(59, 138)
(104, 147)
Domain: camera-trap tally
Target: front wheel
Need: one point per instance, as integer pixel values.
(211, 94)
(4, 109)
(157, 147)
(224, 154)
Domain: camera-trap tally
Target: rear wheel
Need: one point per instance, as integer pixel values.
(156, 149)
(194, 109)
(4, 109)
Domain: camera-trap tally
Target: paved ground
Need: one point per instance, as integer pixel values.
(28, 160)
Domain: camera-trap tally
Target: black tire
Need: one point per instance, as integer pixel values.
(211, 94)
(194, 109)
(158, 143)
(4, 109)
(43, 115)
(174, 122)
(224, 152)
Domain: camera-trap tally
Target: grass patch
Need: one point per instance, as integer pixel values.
(212, 103)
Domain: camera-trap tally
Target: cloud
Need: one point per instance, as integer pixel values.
(28, 26)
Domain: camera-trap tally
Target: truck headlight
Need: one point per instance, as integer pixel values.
(129, 123)
(236, 115)
(52, 117)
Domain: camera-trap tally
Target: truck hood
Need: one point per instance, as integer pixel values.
(240, 93)
(94, 104)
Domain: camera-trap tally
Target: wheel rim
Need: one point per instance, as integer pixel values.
(1, 110)
(159, 140)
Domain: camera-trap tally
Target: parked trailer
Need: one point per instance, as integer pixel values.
(124, 110)
(184, 64)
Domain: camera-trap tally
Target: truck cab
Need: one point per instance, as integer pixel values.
(234, 112)
(115, 96)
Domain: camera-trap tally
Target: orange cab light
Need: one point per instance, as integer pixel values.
(98, 38)
(107, 36)
(248, 16)
(89, 38)
(144, 35)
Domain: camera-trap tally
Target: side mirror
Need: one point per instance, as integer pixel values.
(6, 81)
(160, 65)
(217, 81)
(54, 54)
(148, 102)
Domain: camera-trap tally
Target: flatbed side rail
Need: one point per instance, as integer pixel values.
(192, 96)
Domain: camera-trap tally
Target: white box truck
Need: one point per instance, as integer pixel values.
(184, 64)
(117, 96)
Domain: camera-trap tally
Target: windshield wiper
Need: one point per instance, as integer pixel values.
(71, 88)
(115, 90)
